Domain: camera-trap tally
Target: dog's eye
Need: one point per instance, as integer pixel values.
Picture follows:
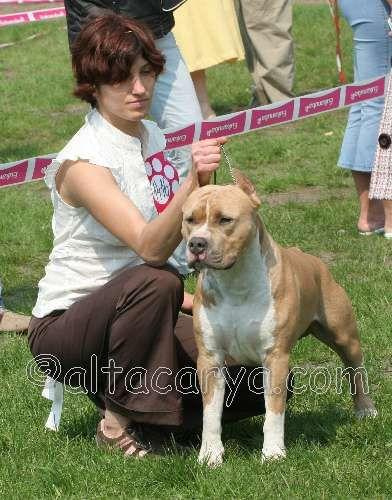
(189, 220)
(225, 220)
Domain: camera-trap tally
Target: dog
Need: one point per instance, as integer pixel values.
(254, 299)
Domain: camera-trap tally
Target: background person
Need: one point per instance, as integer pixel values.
(372, 58)
(266, 33)
(381, 177)
(207, 33)
(112, 289)
(11, 321)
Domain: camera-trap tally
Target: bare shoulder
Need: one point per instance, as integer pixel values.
(75, 179)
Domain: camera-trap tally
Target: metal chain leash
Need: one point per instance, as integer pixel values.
(229, 165)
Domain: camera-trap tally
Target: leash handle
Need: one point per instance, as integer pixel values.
(333, 7)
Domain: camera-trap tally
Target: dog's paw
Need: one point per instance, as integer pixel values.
(273, 453)
(211, 453)
(369, 412)
(364, 408)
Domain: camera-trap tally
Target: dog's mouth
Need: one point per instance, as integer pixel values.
(196, 260)
(204, 260)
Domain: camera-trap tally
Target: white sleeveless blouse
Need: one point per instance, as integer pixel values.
(85, 255)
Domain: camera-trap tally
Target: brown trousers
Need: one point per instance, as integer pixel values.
(127, 346)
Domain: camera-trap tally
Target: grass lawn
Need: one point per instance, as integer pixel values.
(307, 202)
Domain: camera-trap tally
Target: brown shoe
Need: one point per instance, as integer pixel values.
(14, 322)
(127, 442)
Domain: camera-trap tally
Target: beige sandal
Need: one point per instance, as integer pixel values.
(127, 442)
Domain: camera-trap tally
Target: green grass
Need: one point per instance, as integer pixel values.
(330, 455)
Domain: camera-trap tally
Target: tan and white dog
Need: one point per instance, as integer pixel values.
(254, 300)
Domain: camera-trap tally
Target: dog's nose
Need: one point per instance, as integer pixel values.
(197, 245)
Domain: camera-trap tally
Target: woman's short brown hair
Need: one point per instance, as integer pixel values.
(106, 48)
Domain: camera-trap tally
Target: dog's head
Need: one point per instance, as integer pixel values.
(219, 222)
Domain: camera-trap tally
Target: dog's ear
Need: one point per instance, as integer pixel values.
(247, 187)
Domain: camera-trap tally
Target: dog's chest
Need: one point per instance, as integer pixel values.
(241, 323)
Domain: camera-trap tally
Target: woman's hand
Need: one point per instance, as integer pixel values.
(206, 156)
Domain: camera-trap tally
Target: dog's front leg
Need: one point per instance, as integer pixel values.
(275, 393)
(212, 383)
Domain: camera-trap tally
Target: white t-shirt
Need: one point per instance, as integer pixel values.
(85, 255)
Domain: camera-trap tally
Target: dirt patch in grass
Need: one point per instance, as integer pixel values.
(387, 368)
(42, 190)
(4, 339)
(72, 109)
(9, 74)
(310, 365)
(387, 261)
(307, 195)
(310, 2)
(328, 258)
(27, 7)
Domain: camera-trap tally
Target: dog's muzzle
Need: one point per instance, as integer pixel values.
(197, 245)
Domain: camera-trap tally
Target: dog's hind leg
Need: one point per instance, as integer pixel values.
(336, 327)
(212, 383)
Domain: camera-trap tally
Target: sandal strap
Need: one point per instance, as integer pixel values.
(127, 442)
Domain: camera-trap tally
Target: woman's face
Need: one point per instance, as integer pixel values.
(124, 104)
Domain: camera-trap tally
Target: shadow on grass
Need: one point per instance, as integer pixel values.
(82, 425)
(311, 427)
(316, 427)
(307, 428)
(21, 298)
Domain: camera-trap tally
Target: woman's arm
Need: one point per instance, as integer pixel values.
(96, 190)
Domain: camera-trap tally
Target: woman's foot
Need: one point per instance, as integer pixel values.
(387, 204)
(126, 441)
(372, 220)
(369, 232)
(371, 212)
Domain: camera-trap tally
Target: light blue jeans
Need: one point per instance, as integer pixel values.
(174, 102)
(372, 58)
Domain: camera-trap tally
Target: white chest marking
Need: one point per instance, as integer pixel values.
(242, 322)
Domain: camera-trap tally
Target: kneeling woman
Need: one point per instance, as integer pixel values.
(112, 289)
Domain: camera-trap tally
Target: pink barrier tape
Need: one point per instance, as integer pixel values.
(34, 15)
(228, 125)
(14, 2)
(277, 113)
(32, 169)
